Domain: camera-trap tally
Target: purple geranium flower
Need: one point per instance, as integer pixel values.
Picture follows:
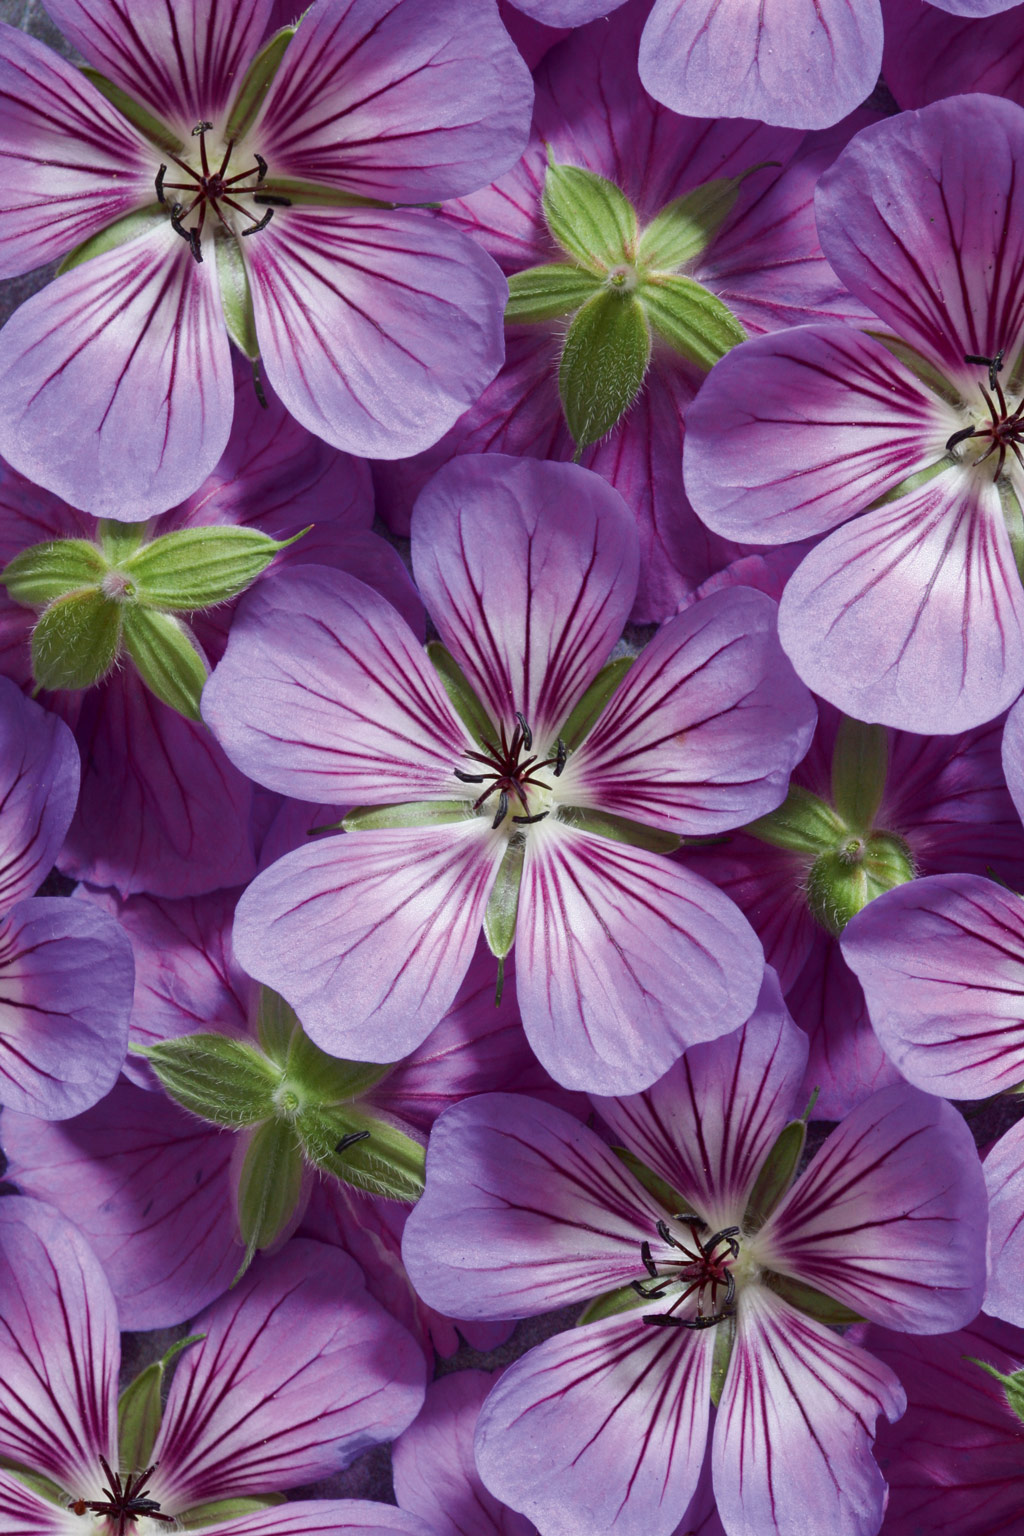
(376, 324)
(695, 1229)
(912, 613)
(526, 807)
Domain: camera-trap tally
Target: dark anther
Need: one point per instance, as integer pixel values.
(271, 199)
(125, 1502)
(959, 437)
(468, 778)
(528, 821)
(262, 223)
(527, 733)
(351, 1139)
(176, 224)
(701, 1268)
(261, 168)
(508, 772)
(1004, 428)
(501, 812)
(993, 364)
(212, 188)
(648, 1262)
(196, 246)
(161, 173)
(201, 128)
(559, 757)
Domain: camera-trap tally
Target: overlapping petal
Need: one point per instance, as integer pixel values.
(39, 774)
(115, 381)
(532, 628)
(624, 959)
(1004, 1180)
(846, 1063)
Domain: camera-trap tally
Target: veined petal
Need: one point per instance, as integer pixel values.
(59, 1348)
(566, 13)
(325, 694)
(115, 381)
(624, 958)
(795, 1426)
(24, 1513)
(482, 1241)
(1004, 1181)
(38, 791)
(398, 99)
(800, 66)
(299, 1371)
(944, 266)
(793, 433)
(890, 1216)
(70, 164)
(323, 1517)
(941, 961)
(600, 1429)
(1013, 755)
(532, 628)
(706, 726)
(183, 59)
(707, 1126)
(913, 615)
(369, 934)
(377, 327)
(930, 54)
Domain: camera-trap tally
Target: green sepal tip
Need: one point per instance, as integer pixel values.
(610, 1304)
(167, 657)
(588, 710)
(503, 903)
(44, 572)
(461, 694)
(604, 360)
(140, 1408)
(668, 1198)
(248, 103)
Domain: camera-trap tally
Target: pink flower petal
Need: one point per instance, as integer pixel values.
(1004, 1180)
(38, 790)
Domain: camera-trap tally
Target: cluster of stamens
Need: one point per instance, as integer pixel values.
(703, 1266)
(511, 773)
(125, 1501)
(1005, 429)
(217, 190)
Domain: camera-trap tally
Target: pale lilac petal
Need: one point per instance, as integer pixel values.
(706, 727)
(890, 1216)
(24, 1513)
(65, 996)
(377, 327)
(325, 694)
(369, 934)
(707, 1126)
(601, 1428)
(298, 1373)
(398, 99)
(183, 59)
(800, 65)
(941, 961)
(482, 1240)
(913, 615)
(1004, 1180)
(944, 268)
(793, 433)
(624, 958)
(930, 54)
(115, 381)
(70, 164)
(38, 790)
(566, 13)
(148, 1185)
(322, 1517)
(59, 1348)
(532, 630)
(795, 1425)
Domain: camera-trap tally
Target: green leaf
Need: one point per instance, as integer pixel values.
(76, 640)
(776, 1174)
(589, 709)
(860, 763)
(167, 657)
(195, 568)
(46, 571)
(815, 1303)
(603, 364)
(269, 1186)
(589, 217)
(503, 902)
(803, 823)
(693, 321)
(460, 693)
(611, 1304)
(119, 540)
(141, 221)
(225, 1081)
(258, 78)
(1013, 1385)
(139, 1409)
(687, 224)
(387, 1162)
(150, 127)
(546, 293)
(668, 1198)
(725, 1338)
(621, 830)
(236, 294)
(410, 813)
(202, 1515)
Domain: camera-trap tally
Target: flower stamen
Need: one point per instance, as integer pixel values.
(215, 189)
(512, 773)
(1005, 428)
(702, 1266)
(125, 1502)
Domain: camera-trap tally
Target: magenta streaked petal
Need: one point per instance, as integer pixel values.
(890, 1216)
(59, 1348)
(148, 1185)
(1004, 1180)
(705, 728)
(768, 885)
(801, 66)
(115, 382)
(182, 58)
(489, 1245)
(707, 1126)
(941, 961)
(913, 615)
(325, 694)
(39, 775)
(624, 958)
(70, 164)
(24, 1513)
(601, 1428)
(532, 630)
(322, 1517)
(793, 433)
(299, 1372)
(377, 327)
(369, 934)
(398, 99)
(930, 54)
(795, 1425)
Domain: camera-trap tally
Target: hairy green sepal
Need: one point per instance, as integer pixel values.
(621, 830)
(776, 1174)
(1013, 1386)
(691, 319)
(860, 764)
(223, 1080)
(196, 568)
(406, 813)
(814, 1302)
(269, 1185)
(725, 1339)
(588, 711)
(217, 1510)
(689, 223)
(140, 1408)
(604, 361)
(76, 641)
(503, 903)
(803, 823)
(546, 293)
(589, 217)
(385, 1161)
(236, 294)
(610, 1304)
(166, 656)
(47, 571)
(141, 221)
(668, 1198)
(842, 882)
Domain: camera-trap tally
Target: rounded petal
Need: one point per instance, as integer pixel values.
(532, 630)
(39, 775)
(1004, 1180)
(115, 381)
